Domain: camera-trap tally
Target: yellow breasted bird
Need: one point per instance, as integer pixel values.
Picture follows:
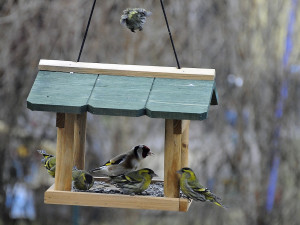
(49, 162)
(191, 187)
(124, 163)
(81, 179)
(135, 18)
(134, 182)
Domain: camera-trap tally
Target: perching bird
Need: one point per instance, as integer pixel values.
(81, 179)
(135, 18)
(49, 162)
(134, 182)
(124, 163)
(191, 187)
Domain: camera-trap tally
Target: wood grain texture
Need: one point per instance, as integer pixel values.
(180, 126)
(185, 144)
(115, 200)
(60, 120)
(127, 70)
(172, 160)
(177, 126)
(184, 204)
(179, 99)
(64, 154)
(79, 140)
(120, 95)
(61, 92)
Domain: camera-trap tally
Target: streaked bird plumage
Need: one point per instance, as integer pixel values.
(81, 179)
(134, 18)
(124, 163)
(191, 187)
(134, 182)
(49, 162)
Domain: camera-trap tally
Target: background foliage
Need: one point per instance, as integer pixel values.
(232, 151)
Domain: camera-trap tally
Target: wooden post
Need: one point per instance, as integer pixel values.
(172, 158)
(185, 144)
(79, 140)
(64, 154)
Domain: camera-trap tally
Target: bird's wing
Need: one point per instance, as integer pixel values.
(133, 178)
(122, 179)
(123, 19)
(196, 186)
(52, 169)
(116, 160)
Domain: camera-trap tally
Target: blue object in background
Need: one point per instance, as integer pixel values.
(279, 109)
(231, 117)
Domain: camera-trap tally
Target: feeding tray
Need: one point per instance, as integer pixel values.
(115, 200)
(71, 89)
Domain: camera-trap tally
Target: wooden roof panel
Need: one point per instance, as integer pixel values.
(61, 92)
(118, 95)
(170, 98)
(159, 96)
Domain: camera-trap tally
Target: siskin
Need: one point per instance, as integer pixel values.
(135, 18)
(134, 182)
(124, 163)
(81, 179)
(49, 162)
(191, 187)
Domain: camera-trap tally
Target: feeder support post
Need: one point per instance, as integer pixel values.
(185, 144)
(79, 140)
(172, 157)
(64, 151)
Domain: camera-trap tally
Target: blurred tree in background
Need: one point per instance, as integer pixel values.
(233, 151)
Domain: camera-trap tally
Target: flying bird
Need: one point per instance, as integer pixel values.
(134, 18)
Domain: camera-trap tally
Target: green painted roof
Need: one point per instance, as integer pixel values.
(122, 95)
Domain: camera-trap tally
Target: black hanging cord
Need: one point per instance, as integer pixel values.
(86, 30)
(171, 39)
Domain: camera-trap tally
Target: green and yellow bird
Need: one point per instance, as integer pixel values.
(49, 162)
(134, 182)
(81, 179)
(191, 187)
(134, 18)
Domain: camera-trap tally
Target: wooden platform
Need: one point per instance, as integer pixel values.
(115, 200)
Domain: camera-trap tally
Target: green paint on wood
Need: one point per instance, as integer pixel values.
(61, 92)
(122, 95)
(174, 98)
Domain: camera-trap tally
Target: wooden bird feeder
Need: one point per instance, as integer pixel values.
(71, 89)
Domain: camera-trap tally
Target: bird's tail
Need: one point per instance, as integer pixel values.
(95, 170)
(220, 204)
(216, 200)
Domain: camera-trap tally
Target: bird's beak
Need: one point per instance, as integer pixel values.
(155, 175)
(150, 153)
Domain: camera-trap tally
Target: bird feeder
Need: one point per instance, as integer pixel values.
(71, 89)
